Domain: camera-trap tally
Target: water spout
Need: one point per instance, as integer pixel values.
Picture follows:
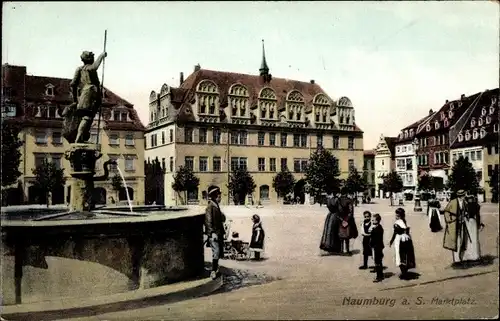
(126, 188)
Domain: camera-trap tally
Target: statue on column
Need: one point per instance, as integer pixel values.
(78, 116)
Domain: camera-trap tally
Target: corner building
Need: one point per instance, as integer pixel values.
(216, 121)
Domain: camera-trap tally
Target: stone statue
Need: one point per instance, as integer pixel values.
(78, 116)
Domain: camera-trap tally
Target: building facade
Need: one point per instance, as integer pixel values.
(369, 171)
(384, 162)
(475, 137)
(217, 121)
(35, 103)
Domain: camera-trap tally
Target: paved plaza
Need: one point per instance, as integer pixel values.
(296, 281)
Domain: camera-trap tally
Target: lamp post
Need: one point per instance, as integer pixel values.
(418, 205)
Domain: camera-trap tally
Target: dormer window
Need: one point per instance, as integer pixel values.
(493, 101)
(467, 135)
(473, 122)
(122, 115)
(483, 132)
(203, 108)
(492, 110)
(446, 123)
(483, 111)
(450, 114)
(442, 115)
(428, 127)
(436, 125)
(495, 128)
(459, 103)
(480, 121)
(49, 90)
(475, 134)
(452, 106)
(411, 132)
(488, 120)
(460, 137)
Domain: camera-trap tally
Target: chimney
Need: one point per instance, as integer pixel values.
(431, 112)
(181, 78)
(197, 67)
(447, 101)
(462, 97)
(312, 81)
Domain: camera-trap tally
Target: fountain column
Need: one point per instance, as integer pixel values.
(82, 157)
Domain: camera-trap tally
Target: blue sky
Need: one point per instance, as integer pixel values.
(394, 60)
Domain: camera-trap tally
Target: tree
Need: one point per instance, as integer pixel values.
(47, 178)
(494, 185)
(185, 181)
(425, 182)
(355, 182)
(322, 173)
(116, 185)
(392, 184)
(283, 182)
(241, 184)
(154, 181)
(463, 176)
(11, 155)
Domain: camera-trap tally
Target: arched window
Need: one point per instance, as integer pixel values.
(428, 127)
(488, 120)
(473, 122)
(264, 192)
(436, 125)
(460, 137)
(483, 111)
(450, 114)
(475, 134)
(483, 132)
(480, 121)
(467, 135)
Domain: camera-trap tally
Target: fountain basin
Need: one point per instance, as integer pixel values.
(71, 257)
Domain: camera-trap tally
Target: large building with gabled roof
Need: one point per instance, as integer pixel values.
(215, 121)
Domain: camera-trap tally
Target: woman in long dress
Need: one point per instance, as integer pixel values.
(404, 253)
(258, 236)
(434, 215)
(330, 241)
(469, 247)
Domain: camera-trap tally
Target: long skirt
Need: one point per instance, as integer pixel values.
(330, 240)
(435, 220)
(404, 253)
(469, 248)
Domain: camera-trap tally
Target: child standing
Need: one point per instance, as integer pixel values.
(365, 232)
(377, 244)
(258, 235)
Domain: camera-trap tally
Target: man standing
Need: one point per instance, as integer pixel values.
(461, 235)
(214, 227)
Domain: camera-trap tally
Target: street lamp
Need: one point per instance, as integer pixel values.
(418, 205)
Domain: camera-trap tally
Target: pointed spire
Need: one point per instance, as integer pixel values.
(264, 69)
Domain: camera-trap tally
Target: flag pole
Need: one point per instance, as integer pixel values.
(102, 89)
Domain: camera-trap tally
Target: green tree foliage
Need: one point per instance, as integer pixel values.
(11, 155)
(185, 181)
(241, 184)
(283, 182)
(116, 185)
(463, 176)
(322, 173)
(425, 183)
(494, 185)
(392, 184)
(47, 178)
(154, 182)
(355, 182)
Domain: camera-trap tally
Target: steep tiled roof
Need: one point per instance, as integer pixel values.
(480, 118)
(391, 144)
(369, 152)
(411, 130)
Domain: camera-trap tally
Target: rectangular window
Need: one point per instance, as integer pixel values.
(296, 140)
(319, 140)
(57, 138)
(216, 164)
(57, 160)
(473, 156)
(39, 158)
(171, 135)
(272, 139)
(163, 164)
(171, 164)
(235, 138)
(351, 164)
(350, 143)
(261, 162)
(336, 142)
(299, 165)
(303, 165)
(41, 137)
(129, 163)
(284, 164)
(189, 162)
(129, 140)
(163, 138)
(238, 162)
(400, 163)
(203, 164)
(479, 155)
(260, 139)
(116, 116)
(216, 136)
(243, 138)
(202, 135)
(272, 164)
(283, 139)
(409, 164)
(303, 140)
(188, 135)
(114, 139)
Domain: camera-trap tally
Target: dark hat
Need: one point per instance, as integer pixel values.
(213, 190)
(460, 193)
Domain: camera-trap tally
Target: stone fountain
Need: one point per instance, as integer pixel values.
(58, 253)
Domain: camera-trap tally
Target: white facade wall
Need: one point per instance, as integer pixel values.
(382, 167)
(475, 157)
(406, 165)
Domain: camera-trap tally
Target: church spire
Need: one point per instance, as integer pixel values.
(264, 69)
